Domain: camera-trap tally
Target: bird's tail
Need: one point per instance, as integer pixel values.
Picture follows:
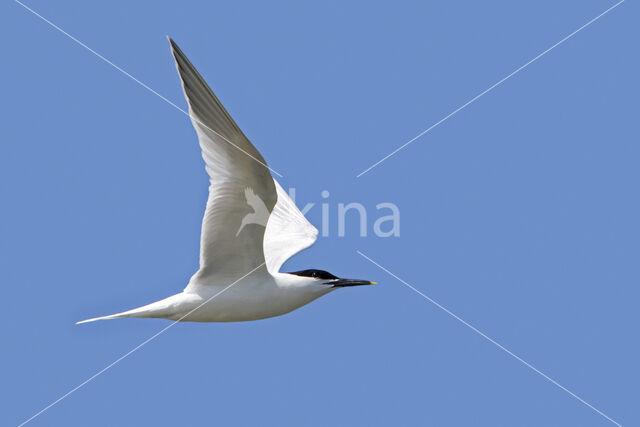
(136, 312)
(111, 316)
(155, 309)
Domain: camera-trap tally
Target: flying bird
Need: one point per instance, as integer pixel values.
(250, 228)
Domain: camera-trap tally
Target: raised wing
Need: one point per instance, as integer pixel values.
(233, 165)
(288, 232)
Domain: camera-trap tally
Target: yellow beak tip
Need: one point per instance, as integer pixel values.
(373, 283)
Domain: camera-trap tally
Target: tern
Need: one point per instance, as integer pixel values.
(250, 228)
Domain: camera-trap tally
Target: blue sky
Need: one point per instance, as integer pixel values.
(519, 214)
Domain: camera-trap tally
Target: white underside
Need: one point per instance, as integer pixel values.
(256, 297)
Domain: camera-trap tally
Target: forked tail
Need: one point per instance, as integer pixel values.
(160, 309)
(111, 316)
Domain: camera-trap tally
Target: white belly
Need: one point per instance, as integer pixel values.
(244, 301)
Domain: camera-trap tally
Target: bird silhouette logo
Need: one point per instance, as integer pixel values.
(260, 214)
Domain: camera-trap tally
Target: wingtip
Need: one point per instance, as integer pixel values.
(172, 44)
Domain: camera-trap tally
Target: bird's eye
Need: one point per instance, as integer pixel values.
(315, 274)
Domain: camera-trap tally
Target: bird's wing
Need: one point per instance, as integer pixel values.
(233, 165)
(288, 232)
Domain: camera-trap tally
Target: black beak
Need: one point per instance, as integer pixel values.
(342, 283)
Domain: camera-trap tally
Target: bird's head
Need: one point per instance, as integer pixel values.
(326, 278)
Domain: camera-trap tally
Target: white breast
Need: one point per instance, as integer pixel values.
(257, 297)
